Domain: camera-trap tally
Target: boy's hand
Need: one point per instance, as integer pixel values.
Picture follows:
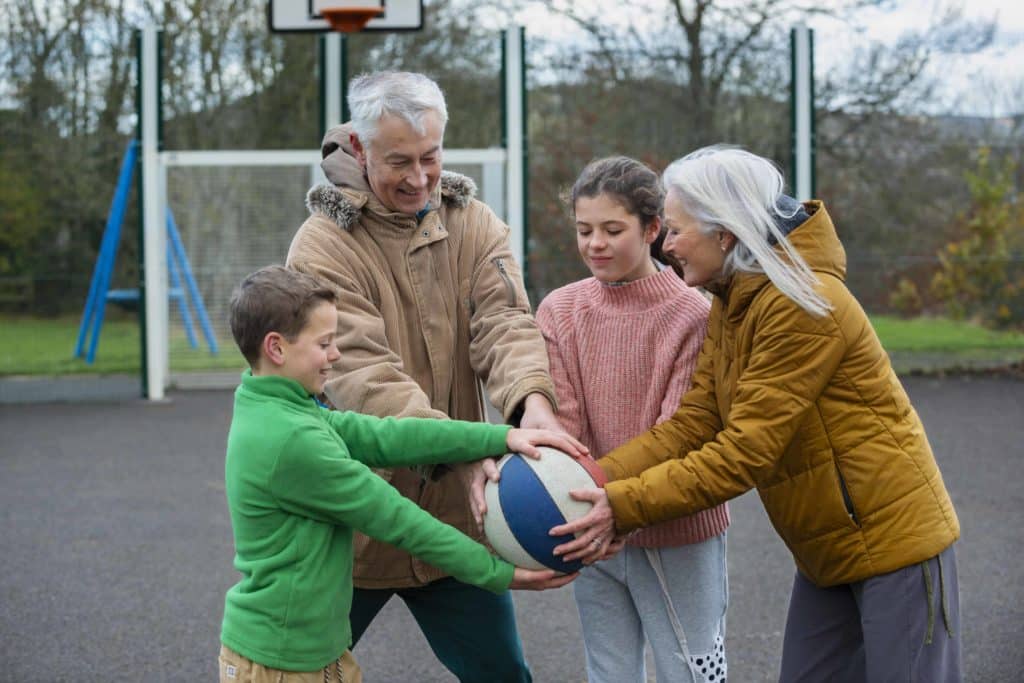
(539, 579)
(525, 441)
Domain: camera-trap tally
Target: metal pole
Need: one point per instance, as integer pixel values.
(154, 234)
(141, 221)
(332, 74)
(514, 68)
(802, 111)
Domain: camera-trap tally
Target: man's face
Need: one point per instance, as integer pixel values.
(401, 164)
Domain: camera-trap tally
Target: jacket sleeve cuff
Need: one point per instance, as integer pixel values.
(506, 572)
(624, 501)
(514, 404)
(497, 439)
(612, 470)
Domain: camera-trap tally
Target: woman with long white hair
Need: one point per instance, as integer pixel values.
(793, 395)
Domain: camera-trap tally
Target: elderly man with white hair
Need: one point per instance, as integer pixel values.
(431, 304)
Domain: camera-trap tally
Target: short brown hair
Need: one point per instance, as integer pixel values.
(273, 299)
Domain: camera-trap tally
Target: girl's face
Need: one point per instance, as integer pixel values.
(612, 241)
(701, 255)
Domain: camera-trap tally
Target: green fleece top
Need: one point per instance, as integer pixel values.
(298, 482)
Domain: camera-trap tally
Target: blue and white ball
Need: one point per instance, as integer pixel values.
(531, 497)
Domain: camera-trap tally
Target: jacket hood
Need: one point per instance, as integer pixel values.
(349, 192)
(338, 159)
(815, 240)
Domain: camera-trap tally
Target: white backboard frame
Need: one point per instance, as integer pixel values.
(300, 16)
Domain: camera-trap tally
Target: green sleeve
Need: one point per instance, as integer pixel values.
(392, 442)
(314, 479)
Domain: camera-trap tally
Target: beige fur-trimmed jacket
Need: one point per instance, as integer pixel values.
(428, 309)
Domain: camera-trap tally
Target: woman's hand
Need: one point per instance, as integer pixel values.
(595, 532)
(539, 579)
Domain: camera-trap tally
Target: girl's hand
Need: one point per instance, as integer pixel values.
(539, 579)
(595, 531)
(526, 441)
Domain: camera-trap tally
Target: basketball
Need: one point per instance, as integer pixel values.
(531, 497)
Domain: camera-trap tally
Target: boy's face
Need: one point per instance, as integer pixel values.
(309, 357)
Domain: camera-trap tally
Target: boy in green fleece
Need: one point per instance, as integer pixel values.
(298, 482)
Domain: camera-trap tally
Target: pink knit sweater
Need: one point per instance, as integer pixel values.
(621, 358)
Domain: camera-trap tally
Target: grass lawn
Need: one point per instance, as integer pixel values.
(942, 334)
(939, 344)
(44, 346)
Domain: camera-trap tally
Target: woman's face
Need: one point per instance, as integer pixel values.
(612, 241)
(701, 255)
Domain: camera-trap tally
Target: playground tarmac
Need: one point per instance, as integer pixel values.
(115, 547)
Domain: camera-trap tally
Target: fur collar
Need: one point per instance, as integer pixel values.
(456, 190)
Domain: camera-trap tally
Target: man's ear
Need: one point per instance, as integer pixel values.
(274, 348)
(358, 149)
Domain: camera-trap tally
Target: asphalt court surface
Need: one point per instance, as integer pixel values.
(115, 547)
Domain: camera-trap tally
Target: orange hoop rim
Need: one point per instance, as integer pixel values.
(350, 19)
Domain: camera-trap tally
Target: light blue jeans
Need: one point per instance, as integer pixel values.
(622, 602)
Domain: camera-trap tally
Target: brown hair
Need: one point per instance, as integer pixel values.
(273, 299)
(632, 183)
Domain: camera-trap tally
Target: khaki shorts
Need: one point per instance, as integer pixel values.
(234, 668)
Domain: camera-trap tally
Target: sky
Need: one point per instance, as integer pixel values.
(990, 83)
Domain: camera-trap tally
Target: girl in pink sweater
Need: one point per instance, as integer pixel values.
(622, 346)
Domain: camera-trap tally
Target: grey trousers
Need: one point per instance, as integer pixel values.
(623, 602)
(903, 626)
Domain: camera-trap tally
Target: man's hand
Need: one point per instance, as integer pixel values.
(475, 476)
(539, 579)
(538, 414)
(596, 538)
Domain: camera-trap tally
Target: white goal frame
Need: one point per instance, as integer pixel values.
(503, 174)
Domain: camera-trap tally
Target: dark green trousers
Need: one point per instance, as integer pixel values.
(471, 630)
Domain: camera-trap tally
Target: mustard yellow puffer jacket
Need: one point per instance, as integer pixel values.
(808, 411)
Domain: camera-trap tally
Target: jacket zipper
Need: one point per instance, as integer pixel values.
(500, 262)
(847, 500)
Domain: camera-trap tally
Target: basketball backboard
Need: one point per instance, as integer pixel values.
(303, 16)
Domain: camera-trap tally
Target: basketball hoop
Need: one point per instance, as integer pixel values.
(350, 19)
(313, 16)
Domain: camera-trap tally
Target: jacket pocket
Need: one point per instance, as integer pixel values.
(509, 287)
(847, 500)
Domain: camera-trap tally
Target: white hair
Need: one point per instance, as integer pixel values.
(397, 93)
(730, 189)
